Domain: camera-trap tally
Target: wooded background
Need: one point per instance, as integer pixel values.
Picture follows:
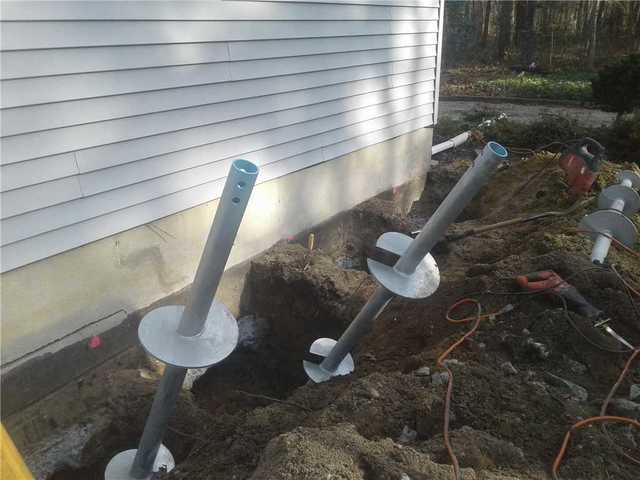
(554, 34)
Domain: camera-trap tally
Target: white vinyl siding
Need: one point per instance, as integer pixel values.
(115, 114)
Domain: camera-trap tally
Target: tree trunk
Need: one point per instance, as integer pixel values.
(593, 37)
(485, 23)
(505, 18)
(519, 21)
(585, 19)
(478, 17)
(636, 28)
(527, 32)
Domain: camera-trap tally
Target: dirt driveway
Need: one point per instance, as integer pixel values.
(528, 113)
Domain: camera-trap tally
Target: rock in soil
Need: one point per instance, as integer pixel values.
(634, 392)
(625, 408)
(508, 368)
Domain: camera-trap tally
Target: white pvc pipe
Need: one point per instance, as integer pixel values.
(452, 142)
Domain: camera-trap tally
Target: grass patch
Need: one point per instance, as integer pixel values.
(574, 86)
(537, 87)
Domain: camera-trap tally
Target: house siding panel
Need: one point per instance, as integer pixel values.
(115, 114)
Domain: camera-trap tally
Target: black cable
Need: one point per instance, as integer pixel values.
(564, 302)
(629, 295)
(585, 337)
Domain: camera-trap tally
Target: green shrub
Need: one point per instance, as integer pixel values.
(623, 139)
(617, 87)
(534, 86)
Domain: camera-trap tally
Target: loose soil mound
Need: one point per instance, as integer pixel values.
(519, 383)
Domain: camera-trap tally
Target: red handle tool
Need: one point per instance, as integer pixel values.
(553, 284)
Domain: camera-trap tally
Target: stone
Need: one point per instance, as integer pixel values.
(625, 408)
(407, 435)
(634, 392)
(192, 375)
(576, 367)
(422, 372)
(440, 378)
(539, 349)
(508, 368)
(453, 362)
(373, 393)
(404, 476)
(147, 374)
(540, 386)
(572, 390)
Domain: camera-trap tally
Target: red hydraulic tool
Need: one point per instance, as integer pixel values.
(552, 284)
(581, 164)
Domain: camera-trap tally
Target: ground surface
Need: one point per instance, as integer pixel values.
(528, 113)
(511, 404)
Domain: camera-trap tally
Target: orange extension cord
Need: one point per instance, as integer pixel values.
(478, 317)
(601, 418)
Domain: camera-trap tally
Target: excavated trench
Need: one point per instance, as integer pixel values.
(252, 417)
(292, 296)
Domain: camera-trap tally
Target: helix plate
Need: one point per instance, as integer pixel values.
(160, 338)
(323, 347)
(420, 284)
(119, 467)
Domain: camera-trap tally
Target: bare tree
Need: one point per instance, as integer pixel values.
(593, 34)
(505, 19)
(526, 33)
(485, 23)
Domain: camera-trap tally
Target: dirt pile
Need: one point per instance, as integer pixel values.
(519, 383)
(341, 452)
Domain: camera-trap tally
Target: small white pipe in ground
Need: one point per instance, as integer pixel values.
(463, 137)
(452, 142)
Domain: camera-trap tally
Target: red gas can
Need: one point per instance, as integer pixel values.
(581, 165)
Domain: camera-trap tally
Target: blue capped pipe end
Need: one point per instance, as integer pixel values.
(498, 149)
(245, 167)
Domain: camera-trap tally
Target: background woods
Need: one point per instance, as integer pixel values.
(578, 34)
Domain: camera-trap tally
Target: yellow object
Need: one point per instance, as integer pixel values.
(12, 466)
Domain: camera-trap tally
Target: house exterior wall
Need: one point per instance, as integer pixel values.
(120, 120)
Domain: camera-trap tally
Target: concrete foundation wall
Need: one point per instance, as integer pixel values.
(62, 299)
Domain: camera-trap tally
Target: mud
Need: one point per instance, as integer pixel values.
(253, 417)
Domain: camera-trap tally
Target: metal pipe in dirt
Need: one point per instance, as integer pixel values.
(415, 274)
(196, 336)
(360, 326)
(458, 198)
(223, 233)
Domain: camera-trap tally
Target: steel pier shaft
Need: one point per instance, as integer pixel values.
(403, 277)
(196, 335)
(611, 221)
